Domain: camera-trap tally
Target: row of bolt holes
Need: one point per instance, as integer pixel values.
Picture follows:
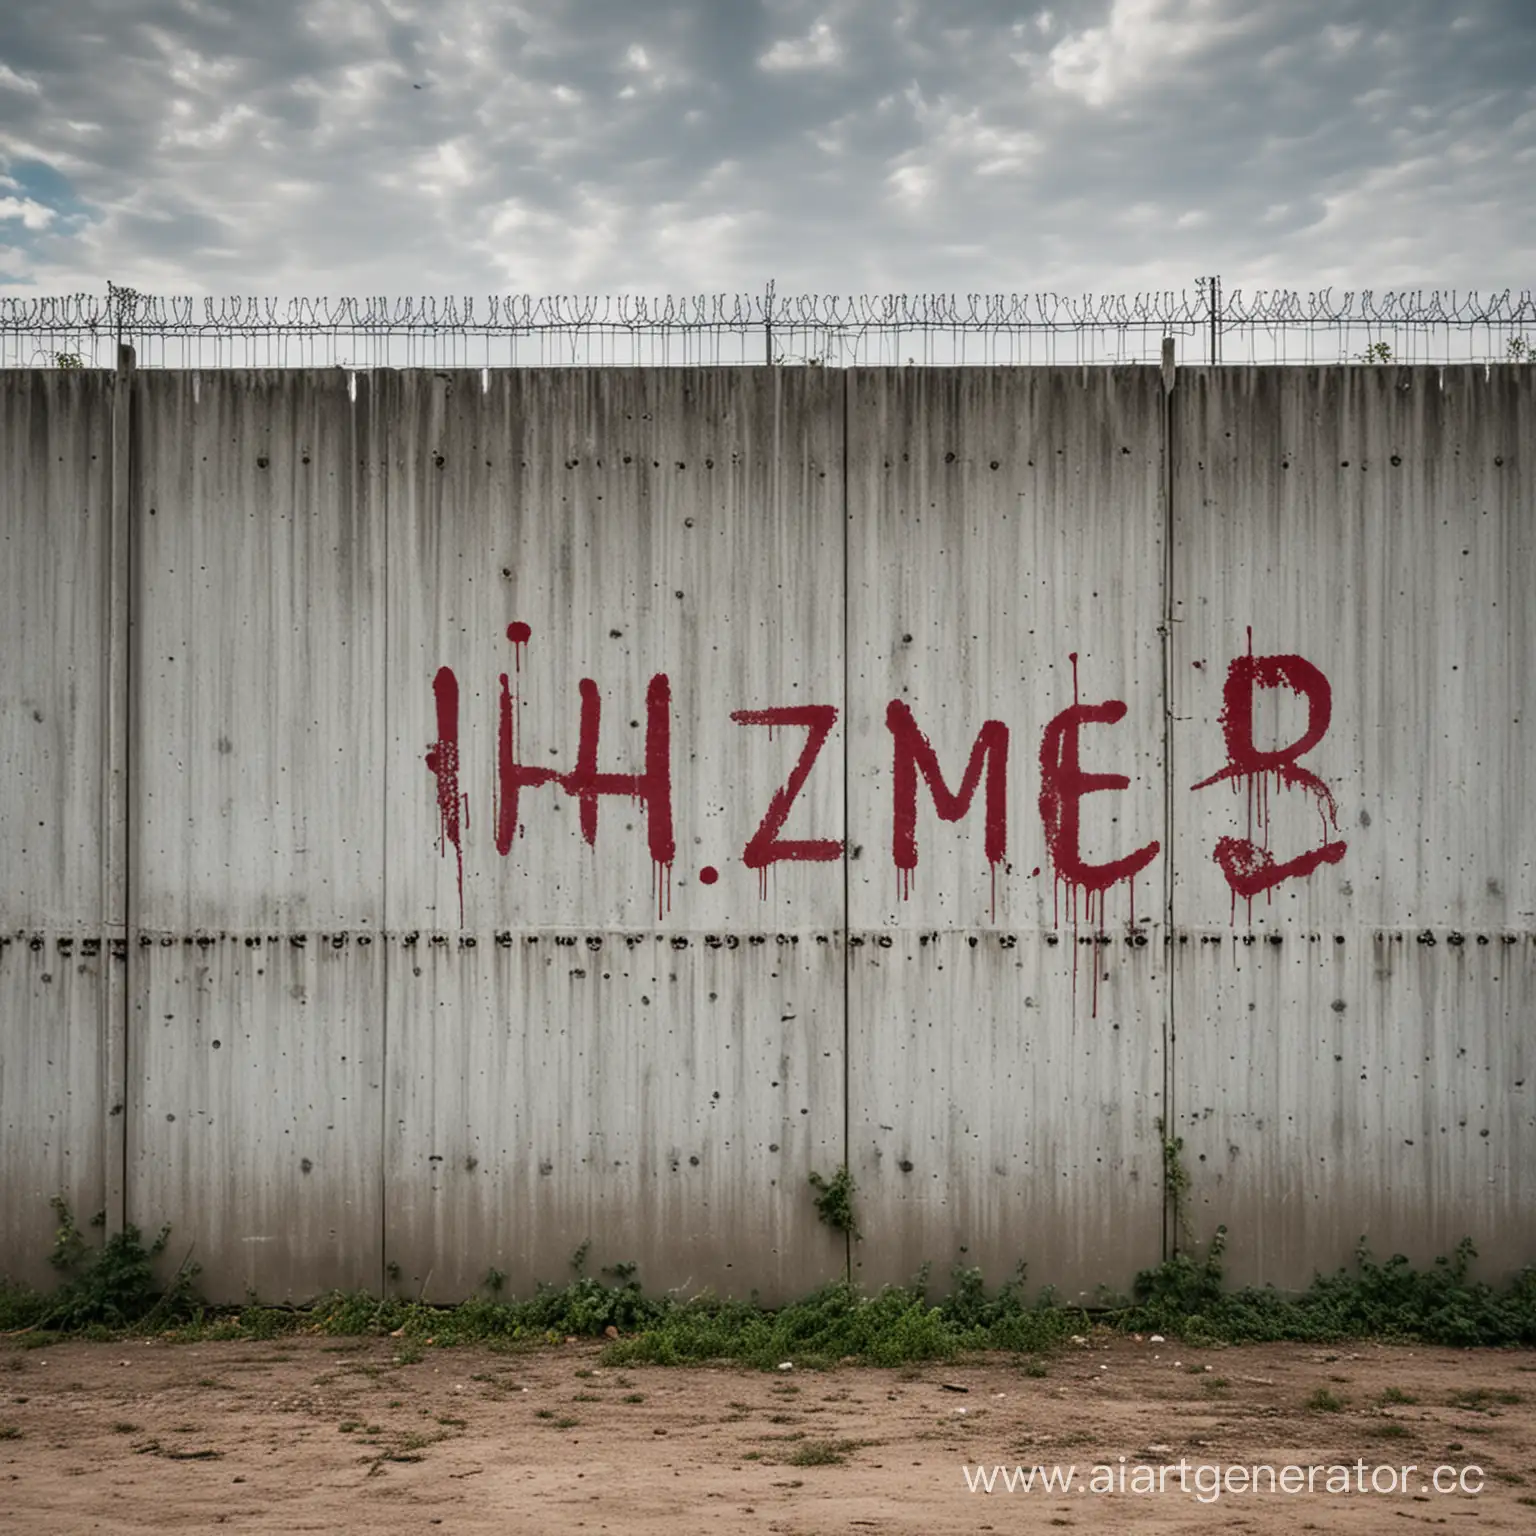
(730, 940)
(440, 461)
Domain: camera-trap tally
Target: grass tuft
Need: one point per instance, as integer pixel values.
(822, 1453)
(110, 1289)
(1442, 1304)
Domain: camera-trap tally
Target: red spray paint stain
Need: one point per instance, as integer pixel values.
(519, 634)
(766, 848)
(1063, 785)
(443, 763)
(708, 875)
(914, 755)
(1249, 866)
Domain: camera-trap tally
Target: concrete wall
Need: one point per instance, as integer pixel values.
(1368, 1064)
(425, 796)
(60, 1093)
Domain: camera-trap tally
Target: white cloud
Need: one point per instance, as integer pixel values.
(33, 215)
(1342, 39)
(1141, 41)
(818, 49)
(911, 183)
(445, 168)
(11, 81)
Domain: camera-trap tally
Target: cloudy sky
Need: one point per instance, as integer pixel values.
(477, 146)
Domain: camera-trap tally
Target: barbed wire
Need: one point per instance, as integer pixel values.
(768, 326)
(128, 309)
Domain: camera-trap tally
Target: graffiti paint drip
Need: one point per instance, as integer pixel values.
(1247, 863)
(1063, 786)
(913, 756)
(519, 634)
(443, 763)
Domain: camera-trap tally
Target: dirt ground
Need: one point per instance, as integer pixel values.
(316, 1434)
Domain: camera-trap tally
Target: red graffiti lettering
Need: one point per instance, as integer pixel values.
(765, 847)
(914, 755)
(652, 787)
(1247, 863)
(1063, 785)
(512, 777)
(443, 763)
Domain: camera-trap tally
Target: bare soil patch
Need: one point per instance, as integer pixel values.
(317, 1434)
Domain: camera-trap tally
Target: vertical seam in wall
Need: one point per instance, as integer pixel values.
(113, 893)
(847, 861)
(133, 558)
(118, 818)
(1170, 1234)
(378, 507)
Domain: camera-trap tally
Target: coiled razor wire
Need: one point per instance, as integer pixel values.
(1206, 323)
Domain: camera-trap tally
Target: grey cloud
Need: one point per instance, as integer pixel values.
(469, 146)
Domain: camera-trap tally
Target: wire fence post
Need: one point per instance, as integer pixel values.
(1213, 296)
(120, 307)
(768, 322)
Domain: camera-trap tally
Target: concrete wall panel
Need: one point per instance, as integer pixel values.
(256, 1110)
(1005, 560)
(257, 785)
(1350, 1047)
(56, 1091)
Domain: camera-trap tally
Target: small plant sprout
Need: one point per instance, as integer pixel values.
(834, 1200)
